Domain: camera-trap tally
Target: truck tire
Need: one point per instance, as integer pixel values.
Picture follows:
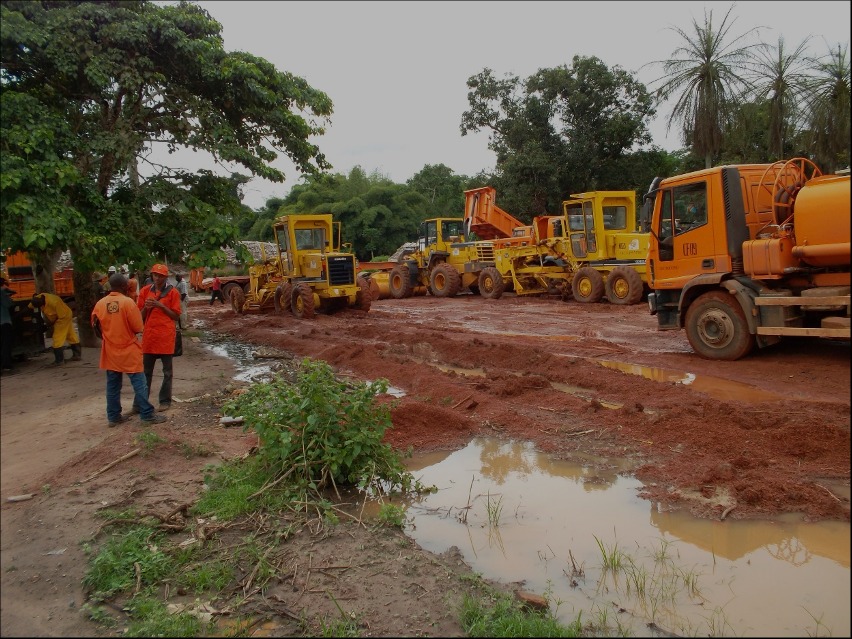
(302, 301)
(444, 281)
(364, 298)
(716, 327)
(624, 286)
(399, 283)
(587, 285)
(227, 288)
(281, 297)
(238, 299)
(491, 285)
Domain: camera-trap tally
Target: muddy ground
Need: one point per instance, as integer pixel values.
(747, 439)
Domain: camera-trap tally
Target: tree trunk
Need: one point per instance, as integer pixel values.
(44, 266)
(708, 160)
(84, 302)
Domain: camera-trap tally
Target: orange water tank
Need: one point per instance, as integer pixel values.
(821, 221)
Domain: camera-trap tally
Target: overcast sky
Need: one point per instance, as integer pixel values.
(396, 71)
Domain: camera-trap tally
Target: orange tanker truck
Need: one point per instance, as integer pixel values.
(744, 255)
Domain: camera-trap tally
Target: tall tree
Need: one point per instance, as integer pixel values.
(829, 110)
(781, 78)
(442, 188)
(706, 75)
(91, 87)
(564, 130)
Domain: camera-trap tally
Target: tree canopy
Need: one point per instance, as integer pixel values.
(561, 131)
(90, 88)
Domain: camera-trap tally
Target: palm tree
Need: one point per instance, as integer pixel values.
(707, 71)
(828, 110)
(781, 78)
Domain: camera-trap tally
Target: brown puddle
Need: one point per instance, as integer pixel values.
(714, 386)
(518, 515)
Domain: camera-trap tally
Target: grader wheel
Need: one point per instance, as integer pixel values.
(238, 299)
(491, 285)
(364, 297)
(282, 296)
(588, 285)
(302, 301)
(624, 286)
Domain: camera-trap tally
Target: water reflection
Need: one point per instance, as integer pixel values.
(714, 386)
(556, 520)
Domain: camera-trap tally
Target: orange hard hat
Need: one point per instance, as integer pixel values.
(160, 269)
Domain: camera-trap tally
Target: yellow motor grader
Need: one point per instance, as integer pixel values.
(311, 273)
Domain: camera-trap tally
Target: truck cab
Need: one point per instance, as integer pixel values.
(742, 255)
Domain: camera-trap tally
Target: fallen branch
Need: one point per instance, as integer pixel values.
(828, 491)
(582, 432)
(726, 511)
(20, 497)
(456, 405)
(132, 453)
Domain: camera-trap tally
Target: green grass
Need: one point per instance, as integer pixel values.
(148, 439)
(499, 615)
(114, 570)
(151, 618)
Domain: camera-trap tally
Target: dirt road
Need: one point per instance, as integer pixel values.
(766, 434)
(753, 438)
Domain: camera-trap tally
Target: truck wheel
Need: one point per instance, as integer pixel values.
(445, 281)
(281, 297)
(364, 298)
(303, 301)
(624, 286)
(227, 288)
(399, 283)
(716, 327)
(491, 285)
(588, 285)
(238, 299)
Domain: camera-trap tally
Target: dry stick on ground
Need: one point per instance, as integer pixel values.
(828, 491)
(133, 452)
(268, 486)
(457, 404)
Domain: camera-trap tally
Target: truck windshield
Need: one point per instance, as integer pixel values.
(310, 239)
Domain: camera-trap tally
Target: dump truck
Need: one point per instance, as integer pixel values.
(19, 271)
(310, 272)
(745, 255)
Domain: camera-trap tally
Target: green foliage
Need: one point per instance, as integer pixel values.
(229, 487)
(150, 618)
(706, 75)
(498, 615)
(213, 575)
(392, 515)
(98, 614)
(91, 88)
(563, 130)
(148, 439)
(113, 569)
(322, 433)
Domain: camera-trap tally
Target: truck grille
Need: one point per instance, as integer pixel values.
(341, 270)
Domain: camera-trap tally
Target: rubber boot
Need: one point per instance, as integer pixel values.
(78, 352)
(59, 356)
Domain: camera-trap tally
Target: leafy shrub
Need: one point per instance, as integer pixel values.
(319, 432)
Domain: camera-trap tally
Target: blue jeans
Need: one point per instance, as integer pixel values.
(140, 392)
